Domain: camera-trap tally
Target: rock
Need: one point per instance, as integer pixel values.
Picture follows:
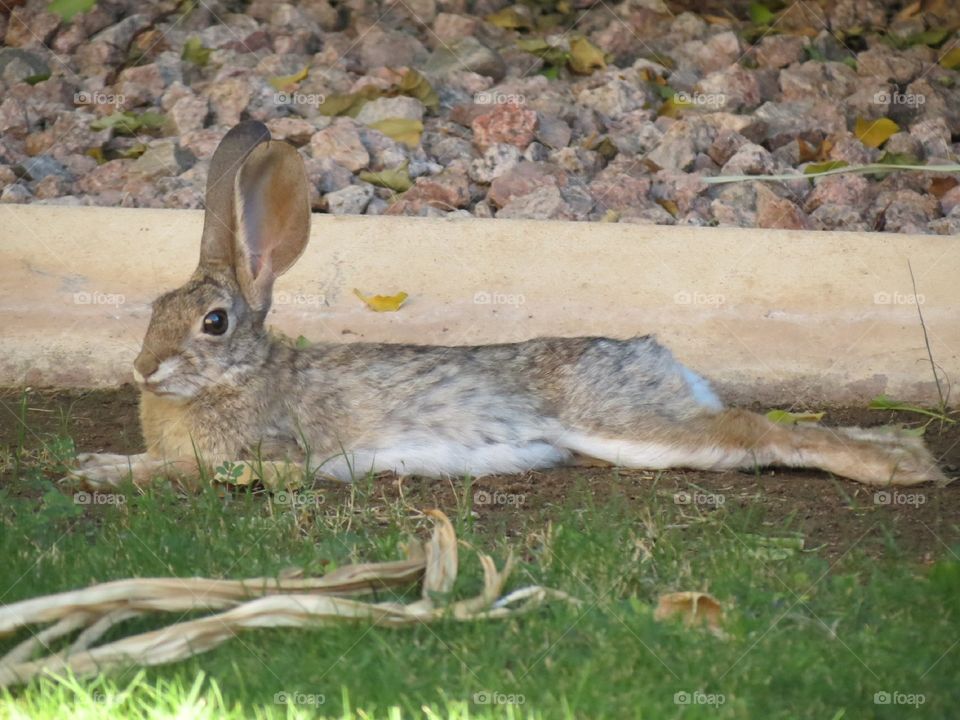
(449, 27)
(341, 142)
(326, 175)
(42, 166)
(950, 200)
(735, 205)
(838, 217)
(188, 113)
(848, 148)
(109, 47)
(934, 136)
(750, 159)
(447, 191)
(407, 108)
(776, 212)
(390, 48)
(523, 180)
(446, 148)
(162, 158)
(16, 193)
(904, 211)
(850, 14)
(143, 84)
(495, 161)
(295, 131)
(813, 79)
(229, 98)
(423, 12)
(887, 64)
(613, 99)
(725, 146)
(647, 213)
(615, 189)
(17, 65)
(552, 131)
(109, 176)
(50, 187)
(508, 123)
(852, 190)
(385, 152)
(544, 203)
(351, 200)
(677, 149)
(30, 27)
(777, 51)
(732, 89)
(467, 54)
(785, 121)
(577, 161)
(683, 189)
(202, 143)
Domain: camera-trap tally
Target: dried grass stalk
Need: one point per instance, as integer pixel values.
(278, 603)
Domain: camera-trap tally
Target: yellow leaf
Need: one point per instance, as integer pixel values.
(402, 130)
(585, 57)
(286, 82)
(951, 60)
(610, 216)
(396, 179)
(670, 206)
(382, 303)
(415, 85)
(694, 608)
(511, 18)
(785, 417)
(673, 106)
(874, 133)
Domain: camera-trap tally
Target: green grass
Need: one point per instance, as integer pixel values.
(808, 636)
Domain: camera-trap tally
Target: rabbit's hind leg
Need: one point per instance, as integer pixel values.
(738, 439)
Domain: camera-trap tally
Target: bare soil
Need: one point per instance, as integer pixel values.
(832, 514)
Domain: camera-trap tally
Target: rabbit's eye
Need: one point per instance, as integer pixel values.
(215, 322)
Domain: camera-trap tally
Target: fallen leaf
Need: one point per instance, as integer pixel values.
(673, 106)
(785, 417)
(554, 55)
(610, 216)
(194, 52)
(760, 14)
(382, 303)
(694, 608)
(415, 85)
(402, 130)
(282, 83)
(585, 57)
(908, 12)
(670, 206)
(807, 151)
(66, 9)
(951, 59)
(511, 18)
(127, 123)
(874, 133)
(772, 549)
(396, 179)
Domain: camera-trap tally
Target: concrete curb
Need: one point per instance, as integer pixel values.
(773, 316)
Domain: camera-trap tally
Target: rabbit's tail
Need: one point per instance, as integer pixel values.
(738, 439)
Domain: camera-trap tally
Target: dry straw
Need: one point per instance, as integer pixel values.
(244, 604)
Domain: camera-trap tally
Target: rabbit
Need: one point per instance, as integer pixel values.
(217, 388)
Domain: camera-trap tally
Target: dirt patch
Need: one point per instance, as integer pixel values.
(831, 513)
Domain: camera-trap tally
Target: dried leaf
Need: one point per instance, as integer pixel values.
(951, 59)
(415, 85)
(553, 55)
(511, 18)
(402, 130)
(942, 184)
(585, 57)
(194, 52)
(397, 179)
(382, 303)
(670, 206)
(128, 123)
(785, 417)
(761, 15)
(282, 83)
(674, 106)
(807, 151)
(694, 608)
(874, 133)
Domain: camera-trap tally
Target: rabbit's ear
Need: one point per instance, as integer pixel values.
(273, 218)
(219, 220)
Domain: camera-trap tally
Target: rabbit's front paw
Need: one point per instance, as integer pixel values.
(96, 471)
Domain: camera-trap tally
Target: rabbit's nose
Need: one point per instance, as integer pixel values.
(144, 366)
